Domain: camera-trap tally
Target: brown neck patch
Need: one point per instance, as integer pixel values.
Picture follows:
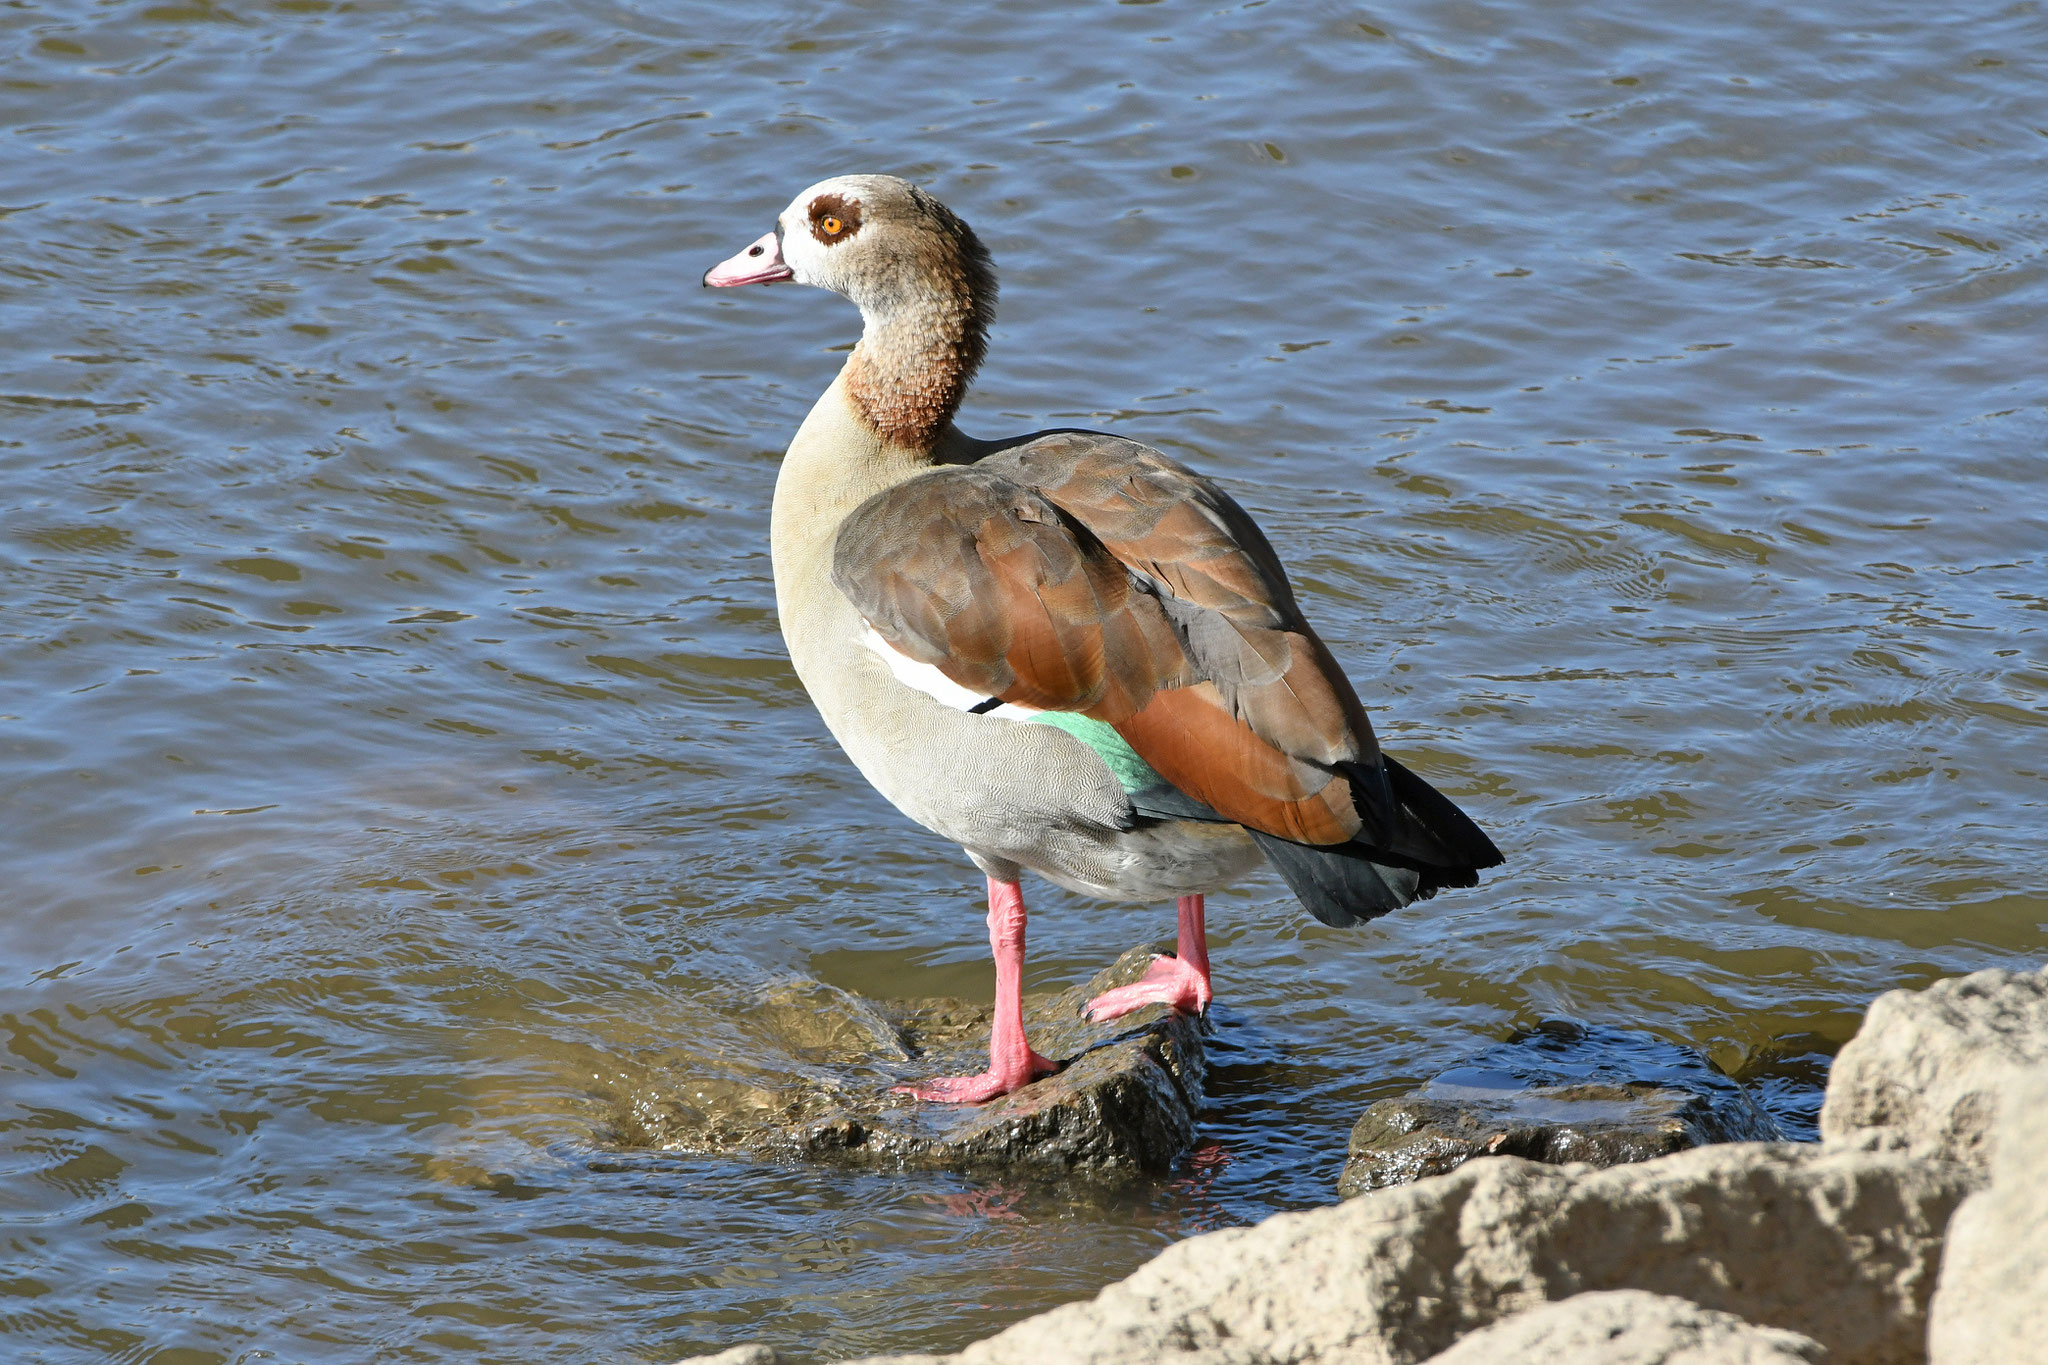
(907, 405)
(912, 368)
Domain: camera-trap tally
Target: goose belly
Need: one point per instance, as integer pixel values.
(1156, 862)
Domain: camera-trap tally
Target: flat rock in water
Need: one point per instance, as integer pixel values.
(1124, 1100)
(1559, 1093)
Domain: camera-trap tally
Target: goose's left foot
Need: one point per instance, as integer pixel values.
(1004, 1076)
(1012, 1062)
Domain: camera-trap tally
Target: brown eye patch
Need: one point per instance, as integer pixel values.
(834, 218)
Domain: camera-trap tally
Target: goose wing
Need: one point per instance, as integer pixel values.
(1077, 571)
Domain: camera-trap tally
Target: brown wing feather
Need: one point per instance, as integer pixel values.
(1084, 572)
(1157, 516)
(1006, 595)
(1190, 737)
(1228, 597)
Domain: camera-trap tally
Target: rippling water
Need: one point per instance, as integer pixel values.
(398, 757)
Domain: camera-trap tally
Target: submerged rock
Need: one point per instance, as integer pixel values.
(1125, 1099)
(1561, 1092)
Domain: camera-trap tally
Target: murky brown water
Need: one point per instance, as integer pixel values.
(397, 753)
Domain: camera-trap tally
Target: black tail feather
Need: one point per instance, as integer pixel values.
(1415, 842)
(1420, 844)
(1450, 828)
(1341, 884)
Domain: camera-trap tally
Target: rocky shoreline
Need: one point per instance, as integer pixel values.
(1916, 1230)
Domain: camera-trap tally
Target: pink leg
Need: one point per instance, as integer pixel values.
(1011, 1063)
(1181, 981)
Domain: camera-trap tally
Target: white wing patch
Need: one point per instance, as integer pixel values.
(927, 679)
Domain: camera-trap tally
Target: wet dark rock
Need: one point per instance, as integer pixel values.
(1562, 1092)
(1124, 1101)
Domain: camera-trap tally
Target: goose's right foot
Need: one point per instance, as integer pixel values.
(1169, 981)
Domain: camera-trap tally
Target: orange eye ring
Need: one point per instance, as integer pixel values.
(831, 225)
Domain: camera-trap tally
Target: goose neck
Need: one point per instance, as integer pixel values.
(915, 359)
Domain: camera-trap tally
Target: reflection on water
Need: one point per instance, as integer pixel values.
(397, 753)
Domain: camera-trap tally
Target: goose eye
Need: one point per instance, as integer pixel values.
(831, 225)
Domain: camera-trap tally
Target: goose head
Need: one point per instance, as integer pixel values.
(875, 239)
(920, 277)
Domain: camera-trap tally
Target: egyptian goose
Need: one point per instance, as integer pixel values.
(1064, 651)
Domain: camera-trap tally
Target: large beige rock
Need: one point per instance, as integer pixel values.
(1924, 1073)
(1628, 1327)
(1991, 1307)
(1839, 1246)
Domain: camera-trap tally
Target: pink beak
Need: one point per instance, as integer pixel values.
(760, 263)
